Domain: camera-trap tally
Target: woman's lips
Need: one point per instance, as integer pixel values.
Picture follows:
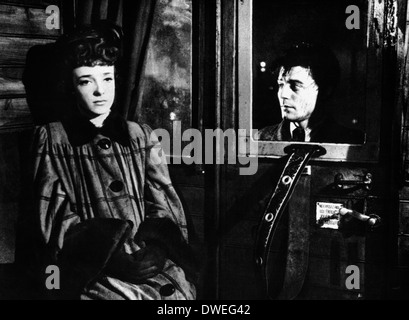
(100, 102)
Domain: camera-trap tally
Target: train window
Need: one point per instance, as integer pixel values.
(167, 76)
(313, 64)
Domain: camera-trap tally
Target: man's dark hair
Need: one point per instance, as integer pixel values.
(319, 59)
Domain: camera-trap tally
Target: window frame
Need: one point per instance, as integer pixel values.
(367, 153)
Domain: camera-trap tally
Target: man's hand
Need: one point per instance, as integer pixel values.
(138, 267)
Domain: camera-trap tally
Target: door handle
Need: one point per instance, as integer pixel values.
(372, 220)
(366, 182)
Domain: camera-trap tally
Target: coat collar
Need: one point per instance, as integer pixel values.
(81, 131)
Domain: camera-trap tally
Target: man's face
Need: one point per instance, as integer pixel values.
(95, 89)
(297, 93)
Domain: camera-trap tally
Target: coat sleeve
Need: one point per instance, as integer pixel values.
(52, 206)
(40, 229)
(161, 199)
(165, 221)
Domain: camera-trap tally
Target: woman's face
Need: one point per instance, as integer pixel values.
(94, 89)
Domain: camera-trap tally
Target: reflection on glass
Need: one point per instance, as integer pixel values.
(309, 72)
(167, 95)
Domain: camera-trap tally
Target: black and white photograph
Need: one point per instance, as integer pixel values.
(221, 152)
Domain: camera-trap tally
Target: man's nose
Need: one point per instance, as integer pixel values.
(285, 91)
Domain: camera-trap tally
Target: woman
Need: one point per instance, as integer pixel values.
(106, 210)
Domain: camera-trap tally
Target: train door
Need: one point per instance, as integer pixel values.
(336, 238)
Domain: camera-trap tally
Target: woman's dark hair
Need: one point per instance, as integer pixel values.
(50, 96)
(99, 44)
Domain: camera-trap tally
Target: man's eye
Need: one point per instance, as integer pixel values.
(109, 79)
(295, 86)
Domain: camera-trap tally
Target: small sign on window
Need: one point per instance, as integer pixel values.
(327, 215)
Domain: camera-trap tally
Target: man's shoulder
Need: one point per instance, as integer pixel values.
(269, 132)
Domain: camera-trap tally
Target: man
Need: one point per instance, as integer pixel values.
(308, 75)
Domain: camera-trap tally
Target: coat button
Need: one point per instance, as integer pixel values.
(116, 186)
(104, 144)
(167, 290)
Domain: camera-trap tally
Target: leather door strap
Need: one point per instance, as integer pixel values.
(299, 156)
(298, 239)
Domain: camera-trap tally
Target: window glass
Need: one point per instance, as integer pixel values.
(279, 24)
(167, 76)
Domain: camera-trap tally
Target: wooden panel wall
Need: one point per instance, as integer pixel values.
(22, 25)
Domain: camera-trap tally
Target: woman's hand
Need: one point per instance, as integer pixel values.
(138, 267)
(150, 257)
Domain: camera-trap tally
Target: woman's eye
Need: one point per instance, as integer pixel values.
(83, 82)
(109, 79)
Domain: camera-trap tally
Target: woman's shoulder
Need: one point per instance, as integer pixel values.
(53, 131)
(139, 130)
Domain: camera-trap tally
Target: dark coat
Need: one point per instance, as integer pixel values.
(329, 131)
(98, 189)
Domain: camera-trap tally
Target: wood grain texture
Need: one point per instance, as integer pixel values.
(24, 20)
(11, 81)
(14, 113)
(14, 49)
(9, 194)
(32, 2)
